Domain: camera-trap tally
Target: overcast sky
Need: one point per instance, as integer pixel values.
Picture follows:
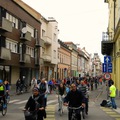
(79, 21)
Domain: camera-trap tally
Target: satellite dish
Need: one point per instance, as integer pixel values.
(24, 30)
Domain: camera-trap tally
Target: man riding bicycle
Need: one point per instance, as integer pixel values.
(3, 93)
(74, 98)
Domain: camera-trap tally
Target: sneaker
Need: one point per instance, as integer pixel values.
(4, 106)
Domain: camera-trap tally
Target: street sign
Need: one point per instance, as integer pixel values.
(107, 59)
(107, 76)
(104, 67)
(109, 67)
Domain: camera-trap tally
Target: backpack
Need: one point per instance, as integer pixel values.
(104, 103)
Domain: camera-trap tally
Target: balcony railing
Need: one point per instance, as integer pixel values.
(47, 40)
(5, 25)
(26, 36)
(25, 58)
(5, 53)
(47, 58)
(107, 43)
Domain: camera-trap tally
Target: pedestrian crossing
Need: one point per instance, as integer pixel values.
(111, 112)
(50, 109)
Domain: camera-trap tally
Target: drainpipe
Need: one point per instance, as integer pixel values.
(114, 14)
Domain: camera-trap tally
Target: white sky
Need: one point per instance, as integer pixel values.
(79, 21)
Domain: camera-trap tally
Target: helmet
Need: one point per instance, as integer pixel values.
(1, 81)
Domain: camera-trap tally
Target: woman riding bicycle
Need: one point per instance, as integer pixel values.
(35, 104)
(61, 92)
(74, 98)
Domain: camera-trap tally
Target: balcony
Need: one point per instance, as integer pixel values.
(47, 40)
(42, 43)
(107, 43)
(25, 58)
(47, 58)
(26, 36)
(5, 53)
(5, 25)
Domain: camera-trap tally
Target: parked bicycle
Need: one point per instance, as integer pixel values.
(75, 110)
(2, 108)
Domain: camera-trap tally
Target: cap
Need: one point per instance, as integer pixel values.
(36, 89)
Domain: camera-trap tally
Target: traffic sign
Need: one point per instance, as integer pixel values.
(107, 59)
(109, 67)
(104, 67)
(107, 76)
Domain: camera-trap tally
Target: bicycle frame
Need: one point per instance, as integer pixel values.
(74, 117)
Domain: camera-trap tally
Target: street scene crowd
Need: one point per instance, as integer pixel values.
(74, 92)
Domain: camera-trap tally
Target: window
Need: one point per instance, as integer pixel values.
(30, 29)
(43, 33)
(30, 51)
(12, 45)
(12, 19)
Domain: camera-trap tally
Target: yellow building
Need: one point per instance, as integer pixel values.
(110, 44)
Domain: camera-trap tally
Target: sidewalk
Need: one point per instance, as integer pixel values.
(103, 96)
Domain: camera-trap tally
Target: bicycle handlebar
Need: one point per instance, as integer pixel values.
(75, 108)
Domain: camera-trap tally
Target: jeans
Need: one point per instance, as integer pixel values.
(113, 102)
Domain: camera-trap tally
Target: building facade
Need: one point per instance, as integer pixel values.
(49, 50)
(64, 64)
(110, 44)
(19, 41)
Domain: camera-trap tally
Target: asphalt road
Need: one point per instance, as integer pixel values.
(17, 103)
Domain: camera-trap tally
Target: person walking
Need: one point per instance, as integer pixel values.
(33, 83)
(112, 93)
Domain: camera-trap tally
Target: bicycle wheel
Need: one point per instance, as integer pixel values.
(4, 110)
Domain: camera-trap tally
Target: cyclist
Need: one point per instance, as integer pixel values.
(61, 92)
(74, 98)
(3, 93)
(35, 103)
(84, 89)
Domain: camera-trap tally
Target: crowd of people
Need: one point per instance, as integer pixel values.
(75, 91)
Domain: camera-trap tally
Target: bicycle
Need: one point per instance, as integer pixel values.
(2, 108)
(74, 110)
(30, 115)
(60, 99)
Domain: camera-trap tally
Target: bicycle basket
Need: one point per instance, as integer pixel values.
(30, 115)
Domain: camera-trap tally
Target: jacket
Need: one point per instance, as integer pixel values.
(34, 102)
(74, 98)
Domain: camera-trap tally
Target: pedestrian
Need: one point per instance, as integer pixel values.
(33, 83)
(112, 93)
